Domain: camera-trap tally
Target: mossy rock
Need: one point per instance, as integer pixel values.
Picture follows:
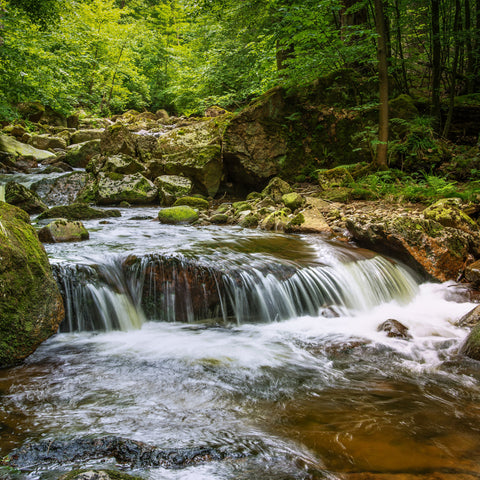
(293, 200)
(219, 219)
(24, 198)
(276, 188)
(31, 307)
(250, 221)
(448, 213)
(98, 475)
(122, 164)
(177, 215)
(171, 187)
(63, 230)
(241, 206)
(113, 188)
(78, 211)
(335, 177)
(276, 221)
(402, 107)
(193, 202)
(79, 155)
(11, 147)
(471, 347)
(117, 139)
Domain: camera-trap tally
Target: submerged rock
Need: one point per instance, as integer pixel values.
(31, 307)
(24, 198)
(62, 230)
(78, 211)
(394, 329)
(98, 475)
(471, 319)
(177, 215)
(124, 450)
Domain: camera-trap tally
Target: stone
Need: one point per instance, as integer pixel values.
(31, 307)
(122, 164)
(117, 139)
(47, 142)
(470, 319)
(310, 220)
(402, 107)
(162, 115)
(394, 329)
(472, 273)
(113, 188)
(80, 154)
(218, 219)
(171, 187)
(215, 111)
(471, 346)
(177, 215)
(81, 136)
(63, 230)
(24, 198)
(9, 146)
(61, 190)
(448, 212)
(276, 221)
(32, 111)
(249, 221)
(194, 202)
(276, 189)
(335, 177)
(293, 200)
(427, 246)
(78, 211)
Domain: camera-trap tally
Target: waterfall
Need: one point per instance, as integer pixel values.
(124, 292)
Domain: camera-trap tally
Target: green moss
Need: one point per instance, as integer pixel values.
(250, 221)
(178, 215)
(241, 206)
(193, 202)
(78, 211)
(293, 200)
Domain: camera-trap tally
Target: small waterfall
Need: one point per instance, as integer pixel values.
(123, 293)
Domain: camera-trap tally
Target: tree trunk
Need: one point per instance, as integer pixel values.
(436, 64)
(382, 147)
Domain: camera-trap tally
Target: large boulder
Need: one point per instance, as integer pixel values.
(171, 187)
(63, 230)
(86, 135)
(10, 147)
(80, 154)
(24, 198)
(122, 164)
(31, 307)
(117, 139)
(47, 142)
(61, 190)
(113, 188)
(448, 212)
(435, 250)
(177, 215)
(193, 151)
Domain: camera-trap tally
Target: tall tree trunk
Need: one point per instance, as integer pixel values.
(404, 81)
(436, 64)
(456, 54)
(382, 147)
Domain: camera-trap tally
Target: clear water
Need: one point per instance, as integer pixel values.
(310, 396)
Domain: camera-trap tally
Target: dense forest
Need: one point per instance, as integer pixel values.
(184, 55)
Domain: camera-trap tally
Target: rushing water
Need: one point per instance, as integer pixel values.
(277, 355)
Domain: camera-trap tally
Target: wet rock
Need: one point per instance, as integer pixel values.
(276, 221)
(61, 190)
(62, 230)
(218, 219)
(125, 451)
(86, 135)
(194, 202)
(471, 319)
(98, 475)
(250, 221)
(79, 155)
(310, 220)
(177, 215)
(426, 245)
(78, 211)
(472, 273)
(171, 187)
(448, 212)
(394, 329)
(276, 189)
(471, 346)
(113, 188)
(24, 198)
(122, 164)
(47, 142)
(10, 147)
(31, 307)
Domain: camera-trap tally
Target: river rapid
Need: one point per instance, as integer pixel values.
(287, 369)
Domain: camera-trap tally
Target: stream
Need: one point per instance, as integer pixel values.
(263, 344)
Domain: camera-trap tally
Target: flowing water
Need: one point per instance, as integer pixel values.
(267, 344)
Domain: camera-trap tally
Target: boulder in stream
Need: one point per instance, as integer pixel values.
(78, 211)
(24, 198)
(31, 307)
(177, 215)
(113, 188)
(63, 230)
(78, 155)
(171, 187)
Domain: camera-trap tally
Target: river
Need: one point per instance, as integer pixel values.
(260, 343)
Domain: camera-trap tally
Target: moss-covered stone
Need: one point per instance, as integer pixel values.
(98, 475)
(402, 107)
(219, 219)
(122, 164)
(24, 198)
(276, 188)
(47, 142)
(276, 221)
(471, 346)
(79, 155)
(113, 188)
(250, 221)
(241, 206)
(194, 202)
(11, 147)
(63, 230)
(117, 139)
(293, 200)
(448, 212)
(78, 211)
(171, 187)
(335, 177)
(177, 215)
(31, 307)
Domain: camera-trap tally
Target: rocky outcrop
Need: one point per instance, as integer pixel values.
(63, 230)
(31, 307)
(24, 198)
(429, 247)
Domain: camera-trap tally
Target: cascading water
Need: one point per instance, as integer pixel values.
(260, 351)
